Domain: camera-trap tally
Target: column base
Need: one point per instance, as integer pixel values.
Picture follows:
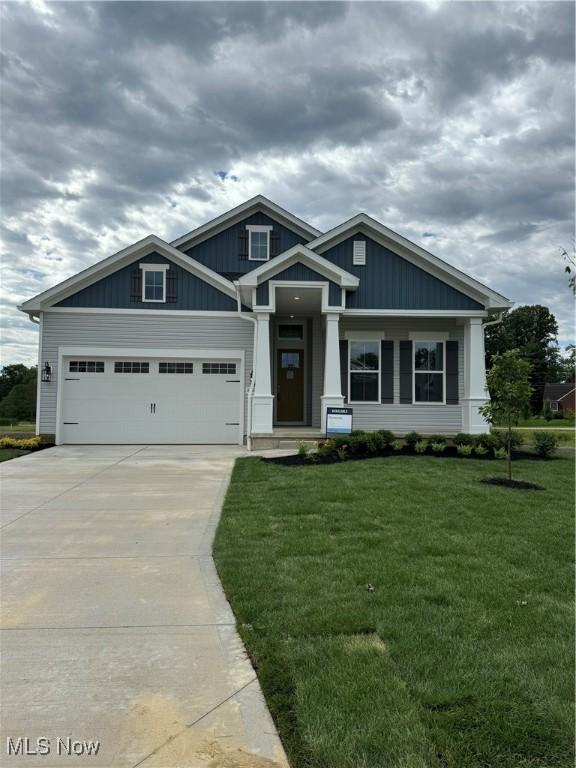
(262, 414)
(329, 401)
(472, 420)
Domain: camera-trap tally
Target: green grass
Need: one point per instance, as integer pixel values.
(461, 657)
(18, 426)
(10, 453)
(535, 421)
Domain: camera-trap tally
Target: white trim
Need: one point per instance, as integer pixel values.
(429, 336)
(438, 338)
(108, 266)
(39, 372)
(259, 202)
(158, 354)
(365, 337)
(415, 313)
(258, 228)
(163, 268)
(299, 253)
(566, 395)
(552, 404)
(413, 253)
(296, 284)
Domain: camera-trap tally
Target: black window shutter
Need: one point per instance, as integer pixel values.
(274, 243)
(387, 371)
(344, 368)
(405, 371)
(243, 244)
(136, 285)
(171, 286)
(452, 373)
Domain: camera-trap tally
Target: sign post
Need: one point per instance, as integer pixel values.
(338, 421)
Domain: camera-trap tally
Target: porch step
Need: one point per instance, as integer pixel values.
(285, 440)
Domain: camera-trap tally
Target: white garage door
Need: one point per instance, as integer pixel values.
(150, 400)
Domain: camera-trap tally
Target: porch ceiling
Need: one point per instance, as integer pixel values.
(309, 301)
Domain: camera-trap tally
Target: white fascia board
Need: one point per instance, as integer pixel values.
(299, 253)
(240, 211)
(115, 262)
(416, 255)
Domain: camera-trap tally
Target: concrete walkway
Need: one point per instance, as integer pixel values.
(115, 627)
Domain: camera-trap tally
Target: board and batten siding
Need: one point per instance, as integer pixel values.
(65, 329)
(400, 418)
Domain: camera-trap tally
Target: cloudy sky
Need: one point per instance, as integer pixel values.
(452, 123)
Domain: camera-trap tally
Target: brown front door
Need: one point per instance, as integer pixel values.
(290, 385)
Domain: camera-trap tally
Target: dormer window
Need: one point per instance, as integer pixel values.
(258, 242)
(154, 282)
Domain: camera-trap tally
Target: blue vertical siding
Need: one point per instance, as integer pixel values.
(388, 281)
(114, 291)
(221, 252)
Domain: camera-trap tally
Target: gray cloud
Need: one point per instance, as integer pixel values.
(451, 123)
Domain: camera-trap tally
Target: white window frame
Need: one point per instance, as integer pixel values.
(154, 268)
(425, 338)
(554, 405)
(258, 228)
(367, 338)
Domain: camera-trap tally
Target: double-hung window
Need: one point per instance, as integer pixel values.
(364, 371)
(258, 242)
(429, 372)
(154, 282)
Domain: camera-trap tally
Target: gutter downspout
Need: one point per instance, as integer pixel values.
(250, 391)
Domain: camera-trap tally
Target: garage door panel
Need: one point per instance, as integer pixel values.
(188, 407)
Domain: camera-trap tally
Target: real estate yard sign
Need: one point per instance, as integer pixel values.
(338, 421)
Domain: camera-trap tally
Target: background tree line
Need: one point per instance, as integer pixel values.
(18, 392)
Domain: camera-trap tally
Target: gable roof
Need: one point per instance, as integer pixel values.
(227, 219)
(302, 254)
(149, 244)
(557, 391)
(413, 253)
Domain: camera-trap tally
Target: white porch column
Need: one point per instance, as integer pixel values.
(262, 399)
(332, 395)
(475, 391)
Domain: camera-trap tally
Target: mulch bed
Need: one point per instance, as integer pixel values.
(521, 485)
(296, 460)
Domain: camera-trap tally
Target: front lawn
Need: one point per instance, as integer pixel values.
(401, 614)
(11, 453)
(18, 427)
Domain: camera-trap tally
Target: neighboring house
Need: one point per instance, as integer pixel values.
(257, 320)
(561, 397)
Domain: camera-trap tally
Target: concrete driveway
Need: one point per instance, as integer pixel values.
(115, 627)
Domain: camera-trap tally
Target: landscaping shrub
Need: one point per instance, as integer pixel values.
(386, 437)
(463, 438)
(499, 439)
(500, 453)
(303, 449)
(464, 449)
(22, 443)
(412, 438)
(546, 444)
(342, 452)
(547, 412)
(421, 446)
(480, 449)
(437, 447)
(374, 443)
(569, 414)
(437, 439)
(397, 445)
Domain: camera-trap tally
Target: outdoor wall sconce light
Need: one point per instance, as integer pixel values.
(46, 372)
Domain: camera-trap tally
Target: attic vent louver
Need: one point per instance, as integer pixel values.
(359, 253)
